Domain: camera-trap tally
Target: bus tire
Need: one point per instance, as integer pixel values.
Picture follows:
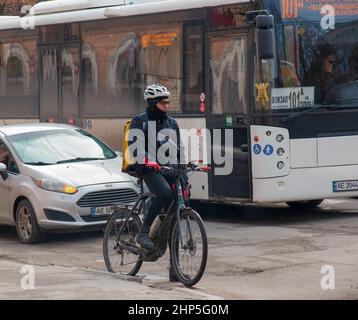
(308, 204)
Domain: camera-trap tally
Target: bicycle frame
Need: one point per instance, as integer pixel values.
(140, 203)
(180, 206)
(179, 202)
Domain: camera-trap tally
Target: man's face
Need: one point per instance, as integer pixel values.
(328, 63)
(163, 105)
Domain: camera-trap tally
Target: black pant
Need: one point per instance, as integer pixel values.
(159, 186)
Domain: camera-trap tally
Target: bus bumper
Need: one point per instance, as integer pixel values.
(308, 184)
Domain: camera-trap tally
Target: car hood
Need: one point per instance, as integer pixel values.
(82, 174)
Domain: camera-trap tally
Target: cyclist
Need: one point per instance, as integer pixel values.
(157, 99)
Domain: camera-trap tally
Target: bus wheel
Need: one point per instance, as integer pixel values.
(309, 204)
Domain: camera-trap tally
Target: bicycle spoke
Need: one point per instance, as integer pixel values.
(119, 244)
(192, 255)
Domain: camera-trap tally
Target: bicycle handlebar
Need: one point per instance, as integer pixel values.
(190, 167)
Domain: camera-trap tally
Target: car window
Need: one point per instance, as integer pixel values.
(7, 158)
(4, 153)
(59, 146)
(12, 166)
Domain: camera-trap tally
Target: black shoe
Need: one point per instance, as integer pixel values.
(143, 239)
(172, 276)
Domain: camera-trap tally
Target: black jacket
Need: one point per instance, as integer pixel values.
(145, 123)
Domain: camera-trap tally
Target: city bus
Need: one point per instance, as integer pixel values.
(281, 76)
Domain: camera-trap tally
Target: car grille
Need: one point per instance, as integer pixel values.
(107, 198)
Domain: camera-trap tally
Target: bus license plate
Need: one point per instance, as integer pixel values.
(102, 211)
(345, 186)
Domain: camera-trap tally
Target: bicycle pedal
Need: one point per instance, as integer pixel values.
(144, 252)
(132, 248)
(137, 251)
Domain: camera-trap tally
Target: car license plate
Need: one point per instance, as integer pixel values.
(345, 186)
(102, 211)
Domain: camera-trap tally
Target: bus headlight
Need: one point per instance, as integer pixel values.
(280, 165)
(280, 152)
(280, 138)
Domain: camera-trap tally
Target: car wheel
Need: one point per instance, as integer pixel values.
(27, 228)
(309, 204)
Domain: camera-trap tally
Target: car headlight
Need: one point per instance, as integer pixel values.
(55, 186)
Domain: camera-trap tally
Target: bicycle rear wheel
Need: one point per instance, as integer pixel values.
(189, 261)
(120, 251)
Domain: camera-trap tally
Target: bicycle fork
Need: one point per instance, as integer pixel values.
(181, 206)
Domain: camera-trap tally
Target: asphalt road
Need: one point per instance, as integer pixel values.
(255, 252)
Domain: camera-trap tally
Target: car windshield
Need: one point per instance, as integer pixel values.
(59, 146)
(316, 63)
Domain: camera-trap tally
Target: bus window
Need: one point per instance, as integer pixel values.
(228, 73)
(70, 81)
(353, 64)
(122, 61)
(14, 75)
(193, 76)
(312, 67)
(159, 60)
(229, 16)
(18, 78)
(109, 72)
(89, 75)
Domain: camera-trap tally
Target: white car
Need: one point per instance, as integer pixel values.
(57, 177)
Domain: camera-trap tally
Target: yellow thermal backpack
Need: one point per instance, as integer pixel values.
(127, 159)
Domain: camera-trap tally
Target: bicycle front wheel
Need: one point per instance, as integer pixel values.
(120, 251)
(189, 258)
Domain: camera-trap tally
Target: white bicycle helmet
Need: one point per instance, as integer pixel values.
(156, 91)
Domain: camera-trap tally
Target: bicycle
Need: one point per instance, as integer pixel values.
(177, 227)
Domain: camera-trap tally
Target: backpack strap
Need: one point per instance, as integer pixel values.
(144, 118)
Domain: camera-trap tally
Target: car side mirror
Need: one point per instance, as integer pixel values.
(3, 171)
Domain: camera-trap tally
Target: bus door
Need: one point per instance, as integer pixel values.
(59, 83)
(228, 80)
